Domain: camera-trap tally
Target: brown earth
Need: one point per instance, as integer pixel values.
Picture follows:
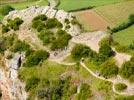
(92, 19)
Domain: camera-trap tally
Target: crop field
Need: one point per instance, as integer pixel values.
(69, 5)
(91, 21)
(116, 13)
(125, 37)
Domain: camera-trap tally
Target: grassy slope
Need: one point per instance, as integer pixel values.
(77, 4)
(125, 37)
(116, 13)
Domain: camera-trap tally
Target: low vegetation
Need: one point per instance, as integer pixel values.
(120, 86)
(12, 24)
(4, 10)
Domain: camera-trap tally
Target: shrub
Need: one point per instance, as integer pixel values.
(14, 24)
(131, 46)
(19, 46)
(36, 58)
(61, 42)
(5, 29)
(131, 78)
(108, 69)
(52, 23)
(120, 86)
(80, 51)
(6, 9)
(106, 50)
(31, 83)
(41, 17)
(127, 69)
(85, 92)
(46, 36)
(124, 25)
(67, 21)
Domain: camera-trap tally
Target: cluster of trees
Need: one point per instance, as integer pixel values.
(80, 51)
(109, 69)
(41, 22)
(59, 89)
(12, 24)
(61, 41)
(58, 40)
(124, 25)
(127, 70)
(36, 57)
(4, 10)
(120, 86)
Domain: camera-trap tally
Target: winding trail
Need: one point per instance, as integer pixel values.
(128, 92)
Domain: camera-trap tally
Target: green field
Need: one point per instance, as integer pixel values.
(68, 5)
(116, 13)
(125, 37)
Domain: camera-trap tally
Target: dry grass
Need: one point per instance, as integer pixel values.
(116, 13)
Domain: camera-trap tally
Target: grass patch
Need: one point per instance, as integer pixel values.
(115, 14)
(69, 5)
(125, 37)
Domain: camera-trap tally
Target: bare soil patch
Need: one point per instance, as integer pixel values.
(92, 19)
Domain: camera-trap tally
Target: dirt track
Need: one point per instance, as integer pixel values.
(92, 19)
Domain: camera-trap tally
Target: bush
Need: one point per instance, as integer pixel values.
(20, 46)
(41, 17)
(67, 21)
(4, 10)
(127, 69)
(131, 78)
(61, 42)
(108, 69)
(131, 46)
(5, 29)
(31, 83)
(106, 50)
(14, 24)
(85, 92)
(46, 36)
(80, 51)
(120, 86)
(52, 23)
(124, 25)
(36, 58)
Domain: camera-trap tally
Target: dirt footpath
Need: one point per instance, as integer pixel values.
(92, 19)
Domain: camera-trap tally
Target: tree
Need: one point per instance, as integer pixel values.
(6, 9)
(80, 51)
(36, 58)
(108, 69)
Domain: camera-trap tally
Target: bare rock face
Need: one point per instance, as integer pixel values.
(28, 14)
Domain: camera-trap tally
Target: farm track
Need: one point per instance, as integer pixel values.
(116, 80)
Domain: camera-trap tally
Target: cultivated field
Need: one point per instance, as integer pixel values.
(68, 5)
(116, 13)
(91, 21)
(125, 37)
